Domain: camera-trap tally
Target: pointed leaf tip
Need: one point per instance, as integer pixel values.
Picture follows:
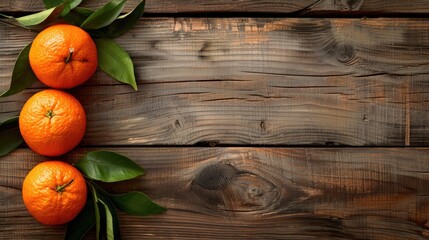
(41, 18)
(104, 16)
(10, 136)
(115, 61)
(22, 74)
(136, 203)
(122, 24)
(108, 167)
(68, 5)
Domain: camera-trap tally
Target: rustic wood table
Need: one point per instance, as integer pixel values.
(275, 119)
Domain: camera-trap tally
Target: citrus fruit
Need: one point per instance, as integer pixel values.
(63, 56)
(52, 122)
(54, 192)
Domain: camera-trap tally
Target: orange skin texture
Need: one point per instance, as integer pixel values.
(52, 122)
(51, 49)
(42, 198)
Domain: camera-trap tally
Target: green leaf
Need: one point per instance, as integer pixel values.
(136, 203)
(84, 11)
(68, 5)
(41, 18)
(96, 211)
(74, 3)
(83, 222)
(109, 222)
(122, 24)
(22, 74)
(115, 61)
(10, 136)
(108, 167)
(105, 15)
(111, 217)
(54, 3)
(78, 15)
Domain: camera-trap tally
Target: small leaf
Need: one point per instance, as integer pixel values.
(108, 167)
(78, 15)
(122, 24)
(96, 211)
(54, 3)
(22, 74)
(105, 15)
(74, 3)
(109, 222)
(10, 136)
(84, 11)
(41, 18)
(68, 5)
(115, 62)
(83, 222)
(111, 217)
(136, 203)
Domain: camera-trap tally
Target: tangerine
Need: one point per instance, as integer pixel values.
(54, 192)
(63, 56)
(52, 122)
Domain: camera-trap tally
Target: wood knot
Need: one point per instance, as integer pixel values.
(231, 190)
(203, 52)
(215, 176)
(153, 44)
(249, 192)
(350, 5)
(263, 126)
(344, 52)
(177, 124)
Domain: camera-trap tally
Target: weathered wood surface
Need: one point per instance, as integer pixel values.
(256, 81)
(255, 193)
(251, 80)
(301, 7)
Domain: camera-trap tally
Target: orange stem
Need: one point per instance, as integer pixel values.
(62, 188)
(68, 59)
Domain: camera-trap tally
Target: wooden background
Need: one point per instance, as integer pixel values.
(264, 119)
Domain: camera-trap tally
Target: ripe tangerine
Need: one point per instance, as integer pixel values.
(52, 122)
(54, 192)
(63, 56)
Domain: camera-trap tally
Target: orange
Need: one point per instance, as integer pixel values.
(52, 122)
(54, 192)
(63, 56)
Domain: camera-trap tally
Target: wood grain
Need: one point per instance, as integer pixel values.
(256, 81)
(255, 193)
(302, 7)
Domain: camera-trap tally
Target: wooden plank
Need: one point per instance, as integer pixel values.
(418, 101)
(255, 193)
(256, 81)
(303, 7)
